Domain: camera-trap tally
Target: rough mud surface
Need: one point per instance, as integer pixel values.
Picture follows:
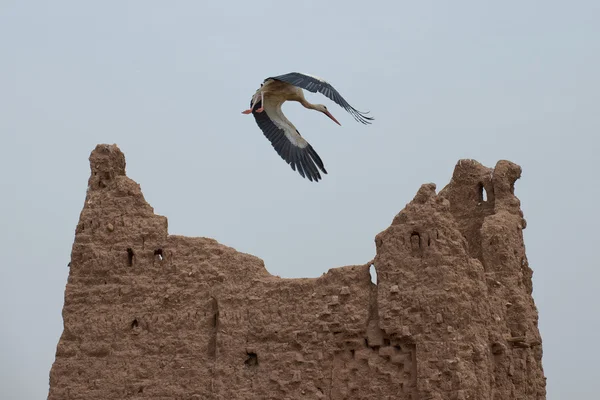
(149, 315)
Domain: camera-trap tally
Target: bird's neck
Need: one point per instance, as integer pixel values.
(307, 104)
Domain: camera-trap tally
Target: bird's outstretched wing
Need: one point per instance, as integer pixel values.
(314, 84)
(287, 141)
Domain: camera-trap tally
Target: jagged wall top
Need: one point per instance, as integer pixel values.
(153, 315)
(106, 162)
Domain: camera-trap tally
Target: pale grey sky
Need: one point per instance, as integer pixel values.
(167, 80)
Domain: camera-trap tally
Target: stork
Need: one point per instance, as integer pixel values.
(283, 135)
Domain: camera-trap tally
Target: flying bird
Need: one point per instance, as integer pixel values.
(283, 135)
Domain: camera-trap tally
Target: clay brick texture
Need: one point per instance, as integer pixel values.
(148, 315)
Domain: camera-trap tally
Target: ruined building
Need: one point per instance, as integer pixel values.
(148, 315)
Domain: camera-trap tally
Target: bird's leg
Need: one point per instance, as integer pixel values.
(248, 111)
(262, 103)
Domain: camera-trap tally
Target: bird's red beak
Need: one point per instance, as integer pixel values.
(332, 117)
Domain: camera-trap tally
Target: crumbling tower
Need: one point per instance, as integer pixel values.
(149, 315)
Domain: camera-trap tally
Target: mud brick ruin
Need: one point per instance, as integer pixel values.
(148, 315)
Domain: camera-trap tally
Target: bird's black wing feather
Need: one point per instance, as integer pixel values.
(315, 85)
(304, 160)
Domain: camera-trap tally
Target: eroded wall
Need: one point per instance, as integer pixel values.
(149, 315)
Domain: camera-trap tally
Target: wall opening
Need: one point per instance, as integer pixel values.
(252, 360)
(158, 253)
(373, 273)
(130, 255)
(215, 310)
(134, 324)
(482, 193)
(415, 240)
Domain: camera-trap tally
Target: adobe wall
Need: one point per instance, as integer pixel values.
(149, 315)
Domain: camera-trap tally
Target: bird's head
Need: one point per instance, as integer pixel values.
(323, 109)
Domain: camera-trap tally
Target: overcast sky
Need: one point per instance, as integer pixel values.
(167, 81)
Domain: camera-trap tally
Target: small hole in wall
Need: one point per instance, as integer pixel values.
(215, 310)
(252, 360)
(158, 253)
(134, 324)
(373, 273)
(130, 255)
(482, 193)
(415, 239)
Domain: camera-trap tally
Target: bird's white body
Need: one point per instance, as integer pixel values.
(276, 93)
